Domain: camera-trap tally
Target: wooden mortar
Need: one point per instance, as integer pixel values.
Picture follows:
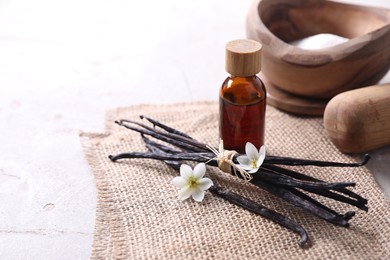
(361, 61)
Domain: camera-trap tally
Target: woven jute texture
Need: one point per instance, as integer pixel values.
(139, 216)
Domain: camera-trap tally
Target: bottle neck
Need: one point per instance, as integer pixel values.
(246, 77)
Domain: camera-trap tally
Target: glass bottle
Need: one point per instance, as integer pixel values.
(242, 97)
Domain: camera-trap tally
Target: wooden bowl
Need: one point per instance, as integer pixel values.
(361, 61)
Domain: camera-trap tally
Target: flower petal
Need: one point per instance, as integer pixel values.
(253, 170)
(262, 156)
(198, 195)
(243, 160)
(186, 171)
(199, 170)
(246, 167)
(179, 182)
(185, 193)
(251, 151)
(205, 184)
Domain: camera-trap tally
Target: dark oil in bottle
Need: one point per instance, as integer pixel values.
(242, 108)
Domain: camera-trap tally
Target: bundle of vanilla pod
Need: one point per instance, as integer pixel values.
(292, 186)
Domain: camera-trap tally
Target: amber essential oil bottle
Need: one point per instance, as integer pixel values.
(242, 97)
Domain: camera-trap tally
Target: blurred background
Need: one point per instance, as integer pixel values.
(62, 65)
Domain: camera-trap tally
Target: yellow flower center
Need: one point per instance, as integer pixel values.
(254, 164)
(193, 182)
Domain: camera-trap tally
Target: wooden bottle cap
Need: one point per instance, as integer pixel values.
(243, 58)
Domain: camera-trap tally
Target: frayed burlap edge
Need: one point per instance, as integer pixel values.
(102, 242)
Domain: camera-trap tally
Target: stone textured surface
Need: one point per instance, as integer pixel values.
(62, 65)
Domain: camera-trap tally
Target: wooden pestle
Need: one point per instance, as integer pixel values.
(359, 120)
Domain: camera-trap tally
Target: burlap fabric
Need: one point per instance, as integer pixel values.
(139, 216)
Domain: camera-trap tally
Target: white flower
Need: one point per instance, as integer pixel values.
(191, 182)
(253, 159)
